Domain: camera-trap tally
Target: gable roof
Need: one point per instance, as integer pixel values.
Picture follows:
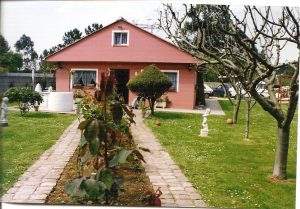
(143, 47)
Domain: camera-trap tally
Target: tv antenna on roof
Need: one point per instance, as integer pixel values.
(150, 26)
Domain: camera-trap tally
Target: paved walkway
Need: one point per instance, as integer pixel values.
(163, 172)
(211, 103)
(38, 181)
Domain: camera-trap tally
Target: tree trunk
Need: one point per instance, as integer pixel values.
(236, 109)
(151, 104)
(247, 127)
(281, 154)
(200, 97)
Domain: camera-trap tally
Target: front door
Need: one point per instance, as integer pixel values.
(122, 78)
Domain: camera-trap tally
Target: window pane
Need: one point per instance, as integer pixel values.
(84, 78)
(124, 38)
(117, 38)
(173, 78)
(120, 38)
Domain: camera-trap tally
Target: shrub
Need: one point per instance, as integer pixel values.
(150, 84)
(106, 118)
(25, 97)
(3, 70)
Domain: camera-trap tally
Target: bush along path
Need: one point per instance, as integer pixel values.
(163, 173)
(106, 118)
(38, 181)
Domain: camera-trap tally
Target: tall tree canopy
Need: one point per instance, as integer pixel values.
(25, 46)
(92, 28)
(9, 60)
(4, 47)
(71, 36)
(68, 38)
(47, 67)
(206, 19)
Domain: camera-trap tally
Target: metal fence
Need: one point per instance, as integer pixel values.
(8, 80)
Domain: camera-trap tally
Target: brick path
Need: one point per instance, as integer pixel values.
(163, 172)
(38, 181)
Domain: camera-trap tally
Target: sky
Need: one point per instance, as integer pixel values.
(46, 21)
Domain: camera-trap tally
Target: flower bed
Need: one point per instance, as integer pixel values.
(136, 189)
(106, 169)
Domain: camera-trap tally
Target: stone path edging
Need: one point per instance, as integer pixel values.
(162, 170)
(38, 181)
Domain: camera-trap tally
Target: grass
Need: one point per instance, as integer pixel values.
(25, 139)
(228, 171)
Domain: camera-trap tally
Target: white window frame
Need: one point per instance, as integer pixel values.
(113, 37)
(82, 69)
(173, 71)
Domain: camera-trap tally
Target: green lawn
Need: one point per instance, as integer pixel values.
(25, 139)
(228, 171)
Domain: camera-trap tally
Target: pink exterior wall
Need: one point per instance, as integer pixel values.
(98, 52)
(184, 98)
(143, 47)
(62, 79)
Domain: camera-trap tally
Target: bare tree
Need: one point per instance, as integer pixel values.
(250, 103)
(236, 102)
(240, 93)
(252, 52)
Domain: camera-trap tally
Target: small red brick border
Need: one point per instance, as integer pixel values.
(38, 181)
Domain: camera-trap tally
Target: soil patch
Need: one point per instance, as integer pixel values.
(136, 187)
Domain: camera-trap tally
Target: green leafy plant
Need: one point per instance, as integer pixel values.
(3, 70)
(25, 97)
(105, 118)
(150, 84)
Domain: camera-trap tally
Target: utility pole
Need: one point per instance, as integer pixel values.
(33, 68)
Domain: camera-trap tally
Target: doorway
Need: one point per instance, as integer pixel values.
(122, 78)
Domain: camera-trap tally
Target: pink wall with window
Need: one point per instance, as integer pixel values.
(123, 45)
(142, 47)
(184, 97)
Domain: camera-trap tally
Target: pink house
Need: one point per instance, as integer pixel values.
(125, 49)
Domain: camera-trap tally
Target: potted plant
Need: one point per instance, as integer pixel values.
(78, 94)
(163, 102)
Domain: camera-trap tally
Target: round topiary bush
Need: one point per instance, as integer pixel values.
(150, 84)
